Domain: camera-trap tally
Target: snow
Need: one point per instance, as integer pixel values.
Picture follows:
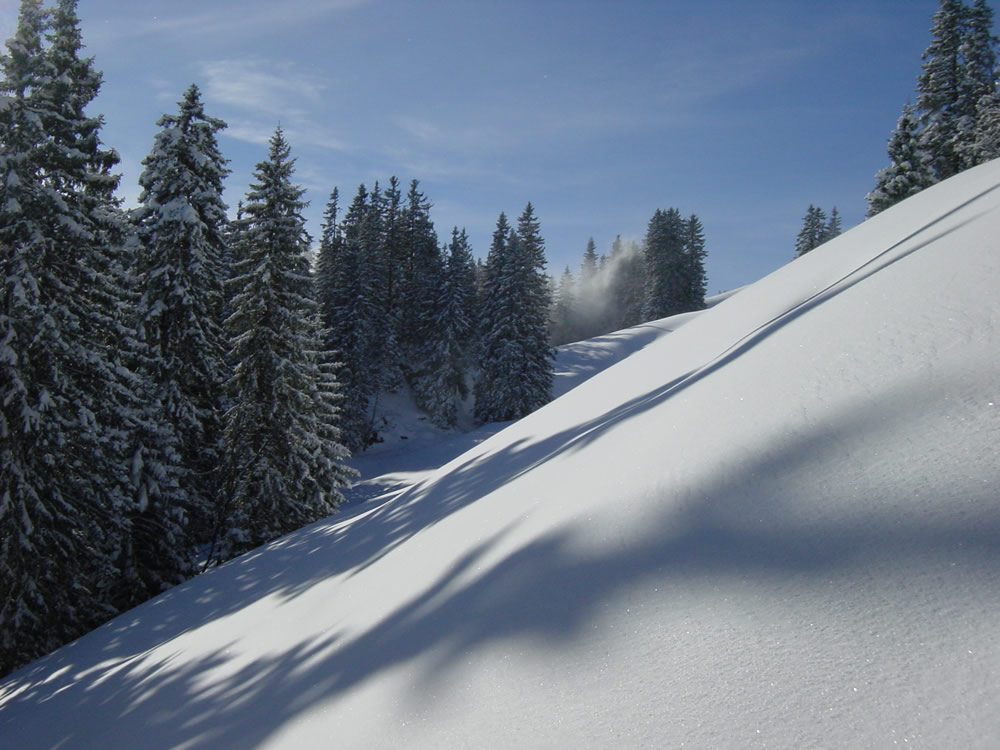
(777, 526)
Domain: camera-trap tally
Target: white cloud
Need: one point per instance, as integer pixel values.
(228, 19)
(255, 95)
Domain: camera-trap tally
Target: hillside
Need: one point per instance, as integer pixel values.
(777, 526)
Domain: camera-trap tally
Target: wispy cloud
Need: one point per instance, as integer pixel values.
(255, 94)
(225, 19)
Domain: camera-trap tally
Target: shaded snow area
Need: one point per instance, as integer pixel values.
(777, 526)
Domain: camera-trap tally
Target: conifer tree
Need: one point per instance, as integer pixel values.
(564, 310)
(834, 227)
(282, 453)
(395, 255)
(940, 90)
(359, 327)
(666, 272)
(64, 400)
(986, 145)
(813, 231)
(588, 268)
(909, 169)
(515, 363)
(451, 337)
(422, 270)
(979, 74)
(179, 273)
(529, 252)
(588, 311)
(627, 285)
(695, 280)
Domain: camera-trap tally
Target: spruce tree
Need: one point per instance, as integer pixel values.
(986, 145)
(359, 327)
(179, 273)
(515, 362)
(627, 284)
(588, 311)
(695, 280)
(833, 227)
(282, 453)
(534, 323)
(813, 232)
(909, 169)
(979, 72)
(939, 87)
(65, 402)
(421, 275)
(666, 272)
(564, 310)
(451, 339)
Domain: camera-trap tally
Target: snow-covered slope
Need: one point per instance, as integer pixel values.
(779, 526)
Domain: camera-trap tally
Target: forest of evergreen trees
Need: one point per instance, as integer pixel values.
(178, 387)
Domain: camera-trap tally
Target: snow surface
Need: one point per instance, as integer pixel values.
(777, 526)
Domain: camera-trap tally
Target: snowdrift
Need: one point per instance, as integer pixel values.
(777, 526)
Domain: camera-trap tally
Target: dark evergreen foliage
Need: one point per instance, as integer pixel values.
(451, 337)
(813, 229)
(356, 317)
(947, 130)
(626, 285)
(282, 446)
(65, 423)
(515, 362)
(665, 271)
(564, 310)
(179, 273)
(695, 280)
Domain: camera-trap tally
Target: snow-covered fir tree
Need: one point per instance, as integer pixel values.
(65, 419)
(179, 272)
(282, 451)
(515, 361)
(979, 76)
(909, 169)
(986, 144)
(958, 73)
(940, 90)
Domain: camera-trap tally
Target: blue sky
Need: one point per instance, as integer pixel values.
(597, 112)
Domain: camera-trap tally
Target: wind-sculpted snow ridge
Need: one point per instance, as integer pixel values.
(777, 526)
